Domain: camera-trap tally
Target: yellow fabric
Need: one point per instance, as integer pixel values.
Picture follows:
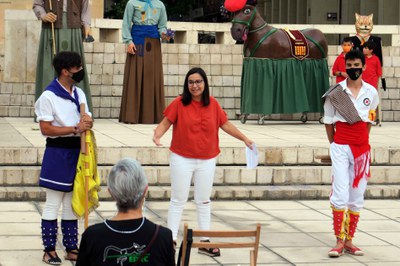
(78, 193)
(347, 223)
(372, 115)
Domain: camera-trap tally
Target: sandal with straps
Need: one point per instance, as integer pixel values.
(52, 260)
(72, 255)
(212, 252)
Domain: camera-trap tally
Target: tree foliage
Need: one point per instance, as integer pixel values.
(175, 8)
(117, 9)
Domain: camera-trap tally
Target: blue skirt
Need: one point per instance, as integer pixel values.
(59, 168)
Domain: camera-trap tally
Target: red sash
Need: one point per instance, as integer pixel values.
(357, 137)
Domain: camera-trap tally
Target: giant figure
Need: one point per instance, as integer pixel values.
(364, 26)
(62, 24)
(284, 71)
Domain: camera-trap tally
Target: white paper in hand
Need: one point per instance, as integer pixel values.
(252, 157)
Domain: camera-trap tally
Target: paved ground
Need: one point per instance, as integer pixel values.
(293, 232)
(23, 132)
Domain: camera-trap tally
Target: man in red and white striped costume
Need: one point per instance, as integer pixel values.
(349, 112)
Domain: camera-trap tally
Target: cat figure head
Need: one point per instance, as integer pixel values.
(364, 24)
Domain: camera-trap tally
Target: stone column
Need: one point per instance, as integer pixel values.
(22, 31)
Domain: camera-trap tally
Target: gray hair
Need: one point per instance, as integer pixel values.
(127, 184)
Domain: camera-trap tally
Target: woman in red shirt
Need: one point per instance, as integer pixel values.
(196, 118)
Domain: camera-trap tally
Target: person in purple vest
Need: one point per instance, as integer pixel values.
(58, 114)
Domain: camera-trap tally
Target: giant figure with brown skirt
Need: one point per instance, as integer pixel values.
(144, 23)
(284, 71)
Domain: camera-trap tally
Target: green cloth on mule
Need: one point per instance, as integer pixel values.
(283, 86)
(66, 40)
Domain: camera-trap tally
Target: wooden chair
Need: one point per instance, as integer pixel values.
(188, 242)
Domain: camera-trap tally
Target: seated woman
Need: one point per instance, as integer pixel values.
(128, 238)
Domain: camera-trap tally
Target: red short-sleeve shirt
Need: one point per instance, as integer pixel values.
(195, 128)
(373, 70)
(339, 65)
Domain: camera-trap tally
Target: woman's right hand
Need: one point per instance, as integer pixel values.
(160, 130)
(131, 48)
(49, 17)
(157, 141)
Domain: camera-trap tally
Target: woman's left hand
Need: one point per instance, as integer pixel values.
(249, 143)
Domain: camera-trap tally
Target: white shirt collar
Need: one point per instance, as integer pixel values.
(348, 91)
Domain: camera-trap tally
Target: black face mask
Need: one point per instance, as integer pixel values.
(78, 76)
(354, 73)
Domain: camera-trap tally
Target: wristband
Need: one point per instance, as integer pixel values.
(340, 74)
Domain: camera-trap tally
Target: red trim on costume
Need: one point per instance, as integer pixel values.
(338, 222)
(357, 137)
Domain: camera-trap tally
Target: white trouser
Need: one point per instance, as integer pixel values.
(343, 194)
(54, 199)
(182, 171)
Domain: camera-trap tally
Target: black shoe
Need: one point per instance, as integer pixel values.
(52, 260)
(212, 252)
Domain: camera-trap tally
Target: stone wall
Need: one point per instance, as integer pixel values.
(223, 63)
(105, 65)
(97, 10)
(105, 62)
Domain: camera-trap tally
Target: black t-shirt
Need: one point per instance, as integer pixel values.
(100, 246)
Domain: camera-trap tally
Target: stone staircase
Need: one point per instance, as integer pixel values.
(287, 173)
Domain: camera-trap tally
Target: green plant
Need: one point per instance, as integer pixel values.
(178, 8)
(175, 8)
(117, 9)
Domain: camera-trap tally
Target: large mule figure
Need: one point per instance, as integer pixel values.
(275, 80)
(269, 42)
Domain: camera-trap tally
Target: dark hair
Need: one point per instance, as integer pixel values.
(66, 60)
(347, 39)
(187, 97)
(371, 45)
(251, 2)
(354, 54)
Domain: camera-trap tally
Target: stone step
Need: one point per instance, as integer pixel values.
(300, 192)
(17, 98)
(225, 175)
(228, 156)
